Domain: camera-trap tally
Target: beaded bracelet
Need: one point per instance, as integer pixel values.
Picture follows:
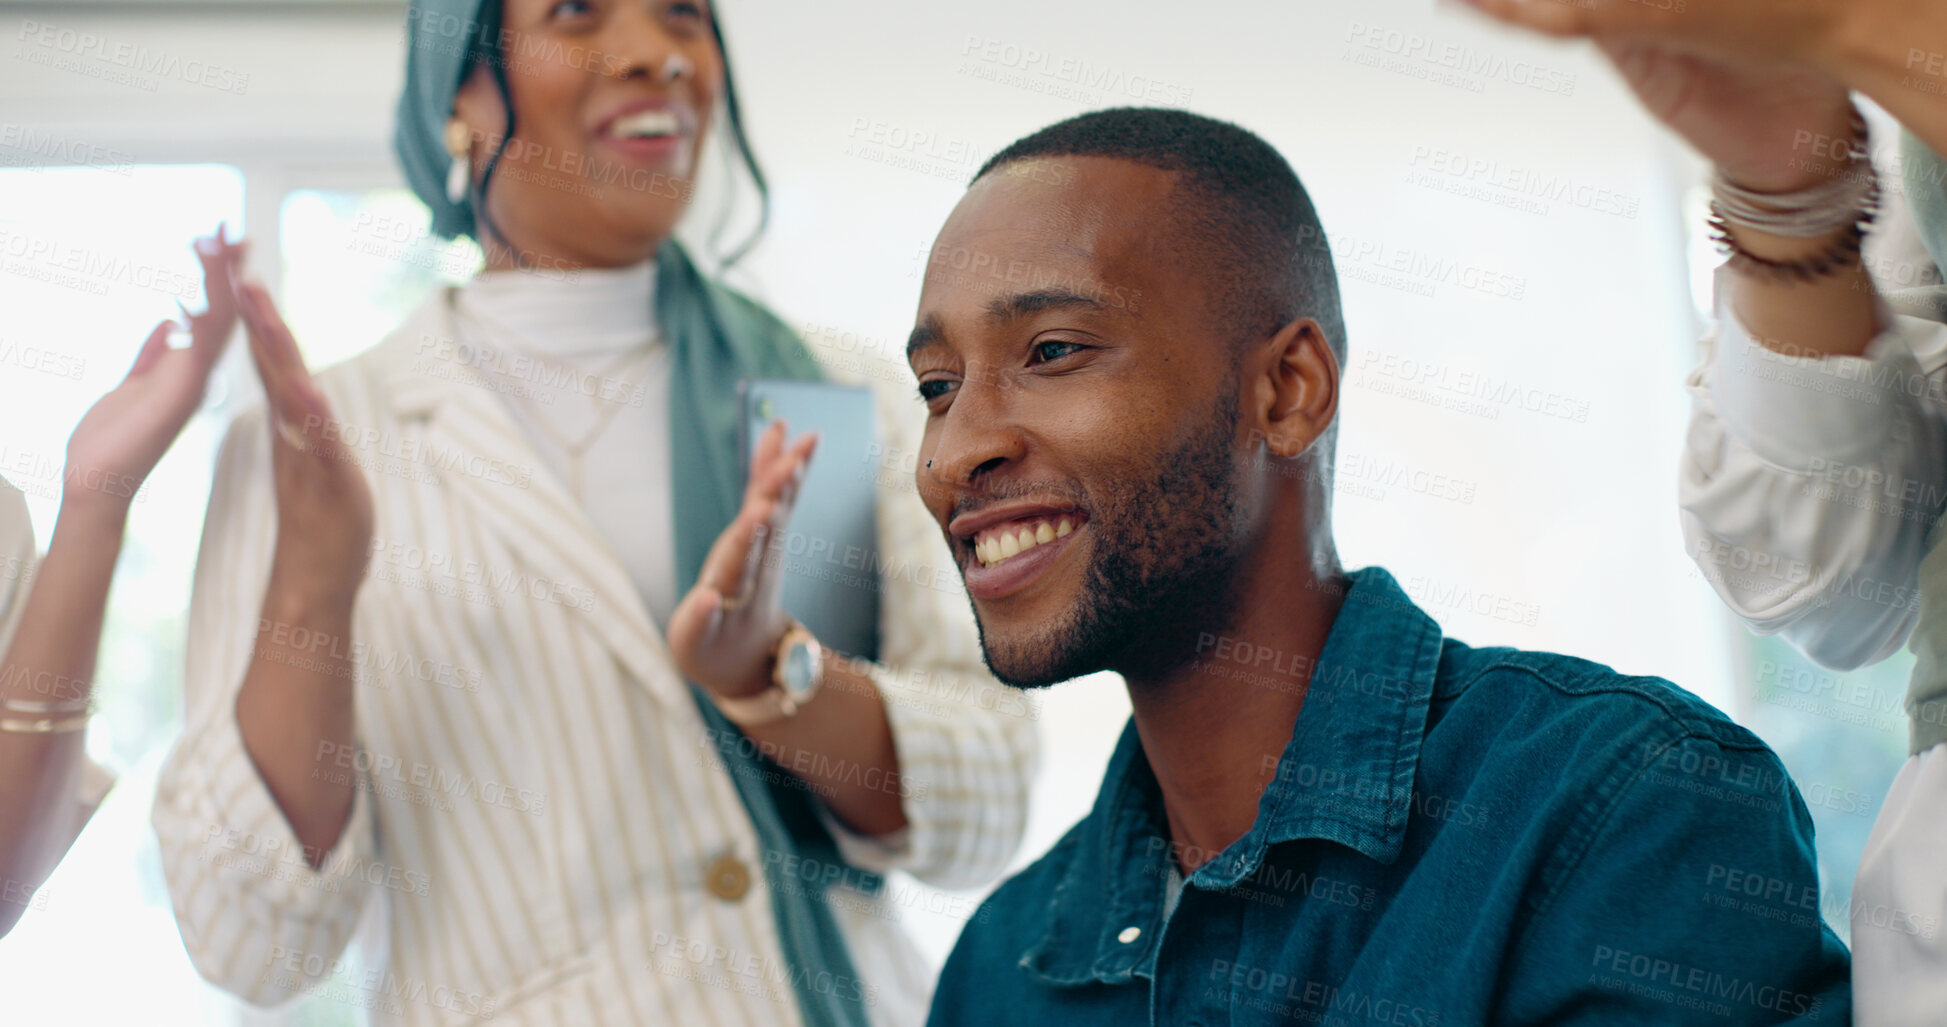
(1849, 201)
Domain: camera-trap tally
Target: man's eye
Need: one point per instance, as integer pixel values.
(570, 8)
(933, 389)
(685, 9)
(1055, 350)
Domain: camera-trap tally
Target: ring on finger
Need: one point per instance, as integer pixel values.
(290, 434)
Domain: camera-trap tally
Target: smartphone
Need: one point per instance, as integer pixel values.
(829, 552)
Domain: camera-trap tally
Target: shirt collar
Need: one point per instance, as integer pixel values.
(1346, 776)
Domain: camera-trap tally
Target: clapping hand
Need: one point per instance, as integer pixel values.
(123, 436)
(723, 633)
(324, 504)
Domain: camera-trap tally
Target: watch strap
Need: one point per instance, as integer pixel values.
(775, 702)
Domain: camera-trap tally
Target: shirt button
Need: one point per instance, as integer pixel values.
(727, 878)
(1129, 934)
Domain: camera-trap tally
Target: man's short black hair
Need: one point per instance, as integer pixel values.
(1247, 216)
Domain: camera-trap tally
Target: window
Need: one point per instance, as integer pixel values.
(93, 259)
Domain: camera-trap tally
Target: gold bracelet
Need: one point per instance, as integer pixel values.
(44, 726)
(36, 706)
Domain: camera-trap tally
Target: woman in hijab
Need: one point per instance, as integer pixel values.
(1815, 470)
(439, 672)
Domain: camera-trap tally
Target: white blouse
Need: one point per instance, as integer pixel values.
(541, 829)
(1808, 489)
(579, 362)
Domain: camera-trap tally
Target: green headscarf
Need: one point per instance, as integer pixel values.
(717, 338)
(439, 36)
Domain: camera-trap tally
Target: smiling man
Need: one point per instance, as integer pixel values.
(1322, 810)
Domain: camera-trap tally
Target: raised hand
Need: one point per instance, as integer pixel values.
(125, 433)
(1740, 80)
(723, 632)
(324, 505)
(1802, 32)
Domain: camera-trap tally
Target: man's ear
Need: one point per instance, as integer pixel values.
(1297, 388)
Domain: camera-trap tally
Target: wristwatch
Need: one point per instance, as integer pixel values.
(797, 665)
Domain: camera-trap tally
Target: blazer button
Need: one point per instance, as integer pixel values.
(727, 878)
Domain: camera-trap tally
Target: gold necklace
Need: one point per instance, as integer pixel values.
(574, 449)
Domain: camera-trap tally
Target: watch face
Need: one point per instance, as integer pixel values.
(800, 669)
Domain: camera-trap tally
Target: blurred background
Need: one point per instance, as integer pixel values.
(1525, 282)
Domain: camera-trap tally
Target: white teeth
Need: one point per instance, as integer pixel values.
(1005, 544)
(644, 124)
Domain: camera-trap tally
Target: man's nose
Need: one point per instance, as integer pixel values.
(979, 433)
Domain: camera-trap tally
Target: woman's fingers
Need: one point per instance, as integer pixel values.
(1549, 17)
(269, 371)
(211, 329)
(279, 344)
(751, 575)
(737, 568)
(763, 456)
(296, 405)
(777, 479)
(724, 567)
(696, 620)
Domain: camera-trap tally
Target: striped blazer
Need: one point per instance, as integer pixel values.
(542, 830)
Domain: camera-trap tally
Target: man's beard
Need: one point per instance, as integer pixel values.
(1162, 564)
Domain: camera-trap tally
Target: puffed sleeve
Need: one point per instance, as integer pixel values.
(1809, 486)
(245, 894)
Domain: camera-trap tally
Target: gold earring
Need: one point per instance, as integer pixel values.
(459, 177)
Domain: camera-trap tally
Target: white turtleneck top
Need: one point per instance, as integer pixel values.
(596, 356)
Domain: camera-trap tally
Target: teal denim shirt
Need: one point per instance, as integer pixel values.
(1453, 836)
